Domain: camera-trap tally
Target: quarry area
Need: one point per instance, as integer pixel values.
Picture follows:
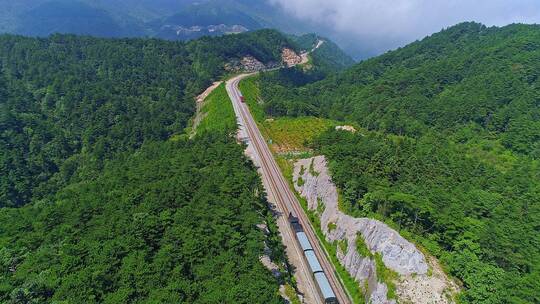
(250, 64)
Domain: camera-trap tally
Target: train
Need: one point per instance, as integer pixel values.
(325, 290)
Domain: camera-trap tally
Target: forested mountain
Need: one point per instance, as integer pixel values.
(212, 18)
(162, 19)
(448, 150)
(174, 222)
(130, 15)
(466, 78)
(165, 19)
(325, 53)
(103, 199)
(75, 17)
(74, 101)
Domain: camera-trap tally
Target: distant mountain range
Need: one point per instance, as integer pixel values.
(167, 19)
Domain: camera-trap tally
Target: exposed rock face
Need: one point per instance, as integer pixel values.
(249, 64)
(346, 128)
(290, 58)
(397, 253)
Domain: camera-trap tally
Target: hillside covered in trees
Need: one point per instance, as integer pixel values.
(325, 55)
(70, 101)
(468, 78)
(103, 199)
(174, 222)
(448, 150)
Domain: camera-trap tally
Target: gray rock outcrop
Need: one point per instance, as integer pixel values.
(397, 253)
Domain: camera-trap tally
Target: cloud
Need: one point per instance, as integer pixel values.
(379, 25)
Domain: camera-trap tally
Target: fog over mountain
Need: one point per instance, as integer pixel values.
(370, 27)
(363, 28)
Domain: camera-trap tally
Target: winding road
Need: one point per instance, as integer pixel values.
(280, 194)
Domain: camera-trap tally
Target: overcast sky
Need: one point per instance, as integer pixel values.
(379, 25)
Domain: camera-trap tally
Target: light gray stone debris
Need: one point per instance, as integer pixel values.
(398, 253)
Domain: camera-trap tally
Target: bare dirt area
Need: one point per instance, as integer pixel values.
(427, 289)
(290, 58)
(199, 103)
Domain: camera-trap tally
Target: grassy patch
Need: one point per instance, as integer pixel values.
(386, 276)
(218, 112)
(294, 134)
(331, 226)
(286, 165)
(287, 133)
(250, 89)
(312, 169)
(343, 245)
(320, 206)
(300, 182)
(291, 294)
(361, 247)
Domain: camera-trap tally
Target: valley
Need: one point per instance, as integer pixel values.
(232, 163)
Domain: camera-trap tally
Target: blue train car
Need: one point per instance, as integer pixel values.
(323, 284)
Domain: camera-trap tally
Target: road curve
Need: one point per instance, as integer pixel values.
(278, 188)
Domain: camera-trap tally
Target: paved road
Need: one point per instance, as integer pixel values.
(278, 190)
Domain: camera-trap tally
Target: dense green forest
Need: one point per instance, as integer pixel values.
(467, 79)
(328, 56)
(70, 102)
(479, 213)
(448, 151)
(103, 197)
(174, 222)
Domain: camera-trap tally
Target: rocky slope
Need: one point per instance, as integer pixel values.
(415, 283)
(290, 58)
(250, 64)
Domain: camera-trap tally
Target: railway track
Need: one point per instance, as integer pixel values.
(280, 190)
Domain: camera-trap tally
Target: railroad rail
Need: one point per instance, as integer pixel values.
(284, 197)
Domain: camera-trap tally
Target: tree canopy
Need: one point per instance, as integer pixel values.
(103, 199)
(448, 149)
(173, 222)
(71, 101)
(467, 79)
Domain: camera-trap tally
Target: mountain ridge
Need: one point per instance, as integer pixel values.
(172, 20)
(447, 149)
